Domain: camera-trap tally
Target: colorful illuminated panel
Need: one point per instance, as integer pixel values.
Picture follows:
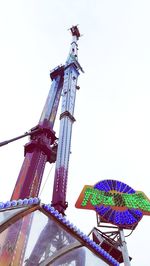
(115, 202)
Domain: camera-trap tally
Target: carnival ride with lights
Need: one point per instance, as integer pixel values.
(32, 233)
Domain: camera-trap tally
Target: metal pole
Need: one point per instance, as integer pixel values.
(124, 248)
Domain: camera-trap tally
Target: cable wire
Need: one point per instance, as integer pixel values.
(46, 180)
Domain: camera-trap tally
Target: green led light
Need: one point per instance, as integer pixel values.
(136, 201)
(108, 199)
(96, 197)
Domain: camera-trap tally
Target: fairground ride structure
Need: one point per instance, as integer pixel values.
(32, 233)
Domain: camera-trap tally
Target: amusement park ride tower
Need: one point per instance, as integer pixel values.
(42, 147)
(32, 233)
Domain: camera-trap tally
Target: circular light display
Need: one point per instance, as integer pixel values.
(115, 202)
(118, 214)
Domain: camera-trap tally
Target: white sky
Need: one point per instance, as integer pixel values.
(111, 138)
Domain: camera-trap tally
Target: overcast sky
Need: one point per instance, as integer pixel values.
(111, 136)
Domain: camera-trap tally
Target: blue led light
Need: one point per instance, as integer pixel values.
(48, 207)
(7, 204)
(56, 215)
(71, 226)
(108, 185)
(123, 186)
(78, 232)
(102, 209)
(36, 200)
(103, 185)
(75, 229)
(20, 202)
(1, 205)
(85, 237)
(138, 213)
(52, 211)
(30, 200)
(93, 244)
(107, 256)
(25, 201)
(14, 203)
(64, 220)
(131, 191)
(60, 217)
(88, 240)
(126, 189)
(68, 223)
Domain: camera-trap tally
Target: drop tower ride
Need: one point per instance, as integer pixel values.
(42, 146)
(32, 233)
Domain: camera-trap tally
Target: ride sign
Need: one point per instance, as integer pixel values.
(115, 202)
